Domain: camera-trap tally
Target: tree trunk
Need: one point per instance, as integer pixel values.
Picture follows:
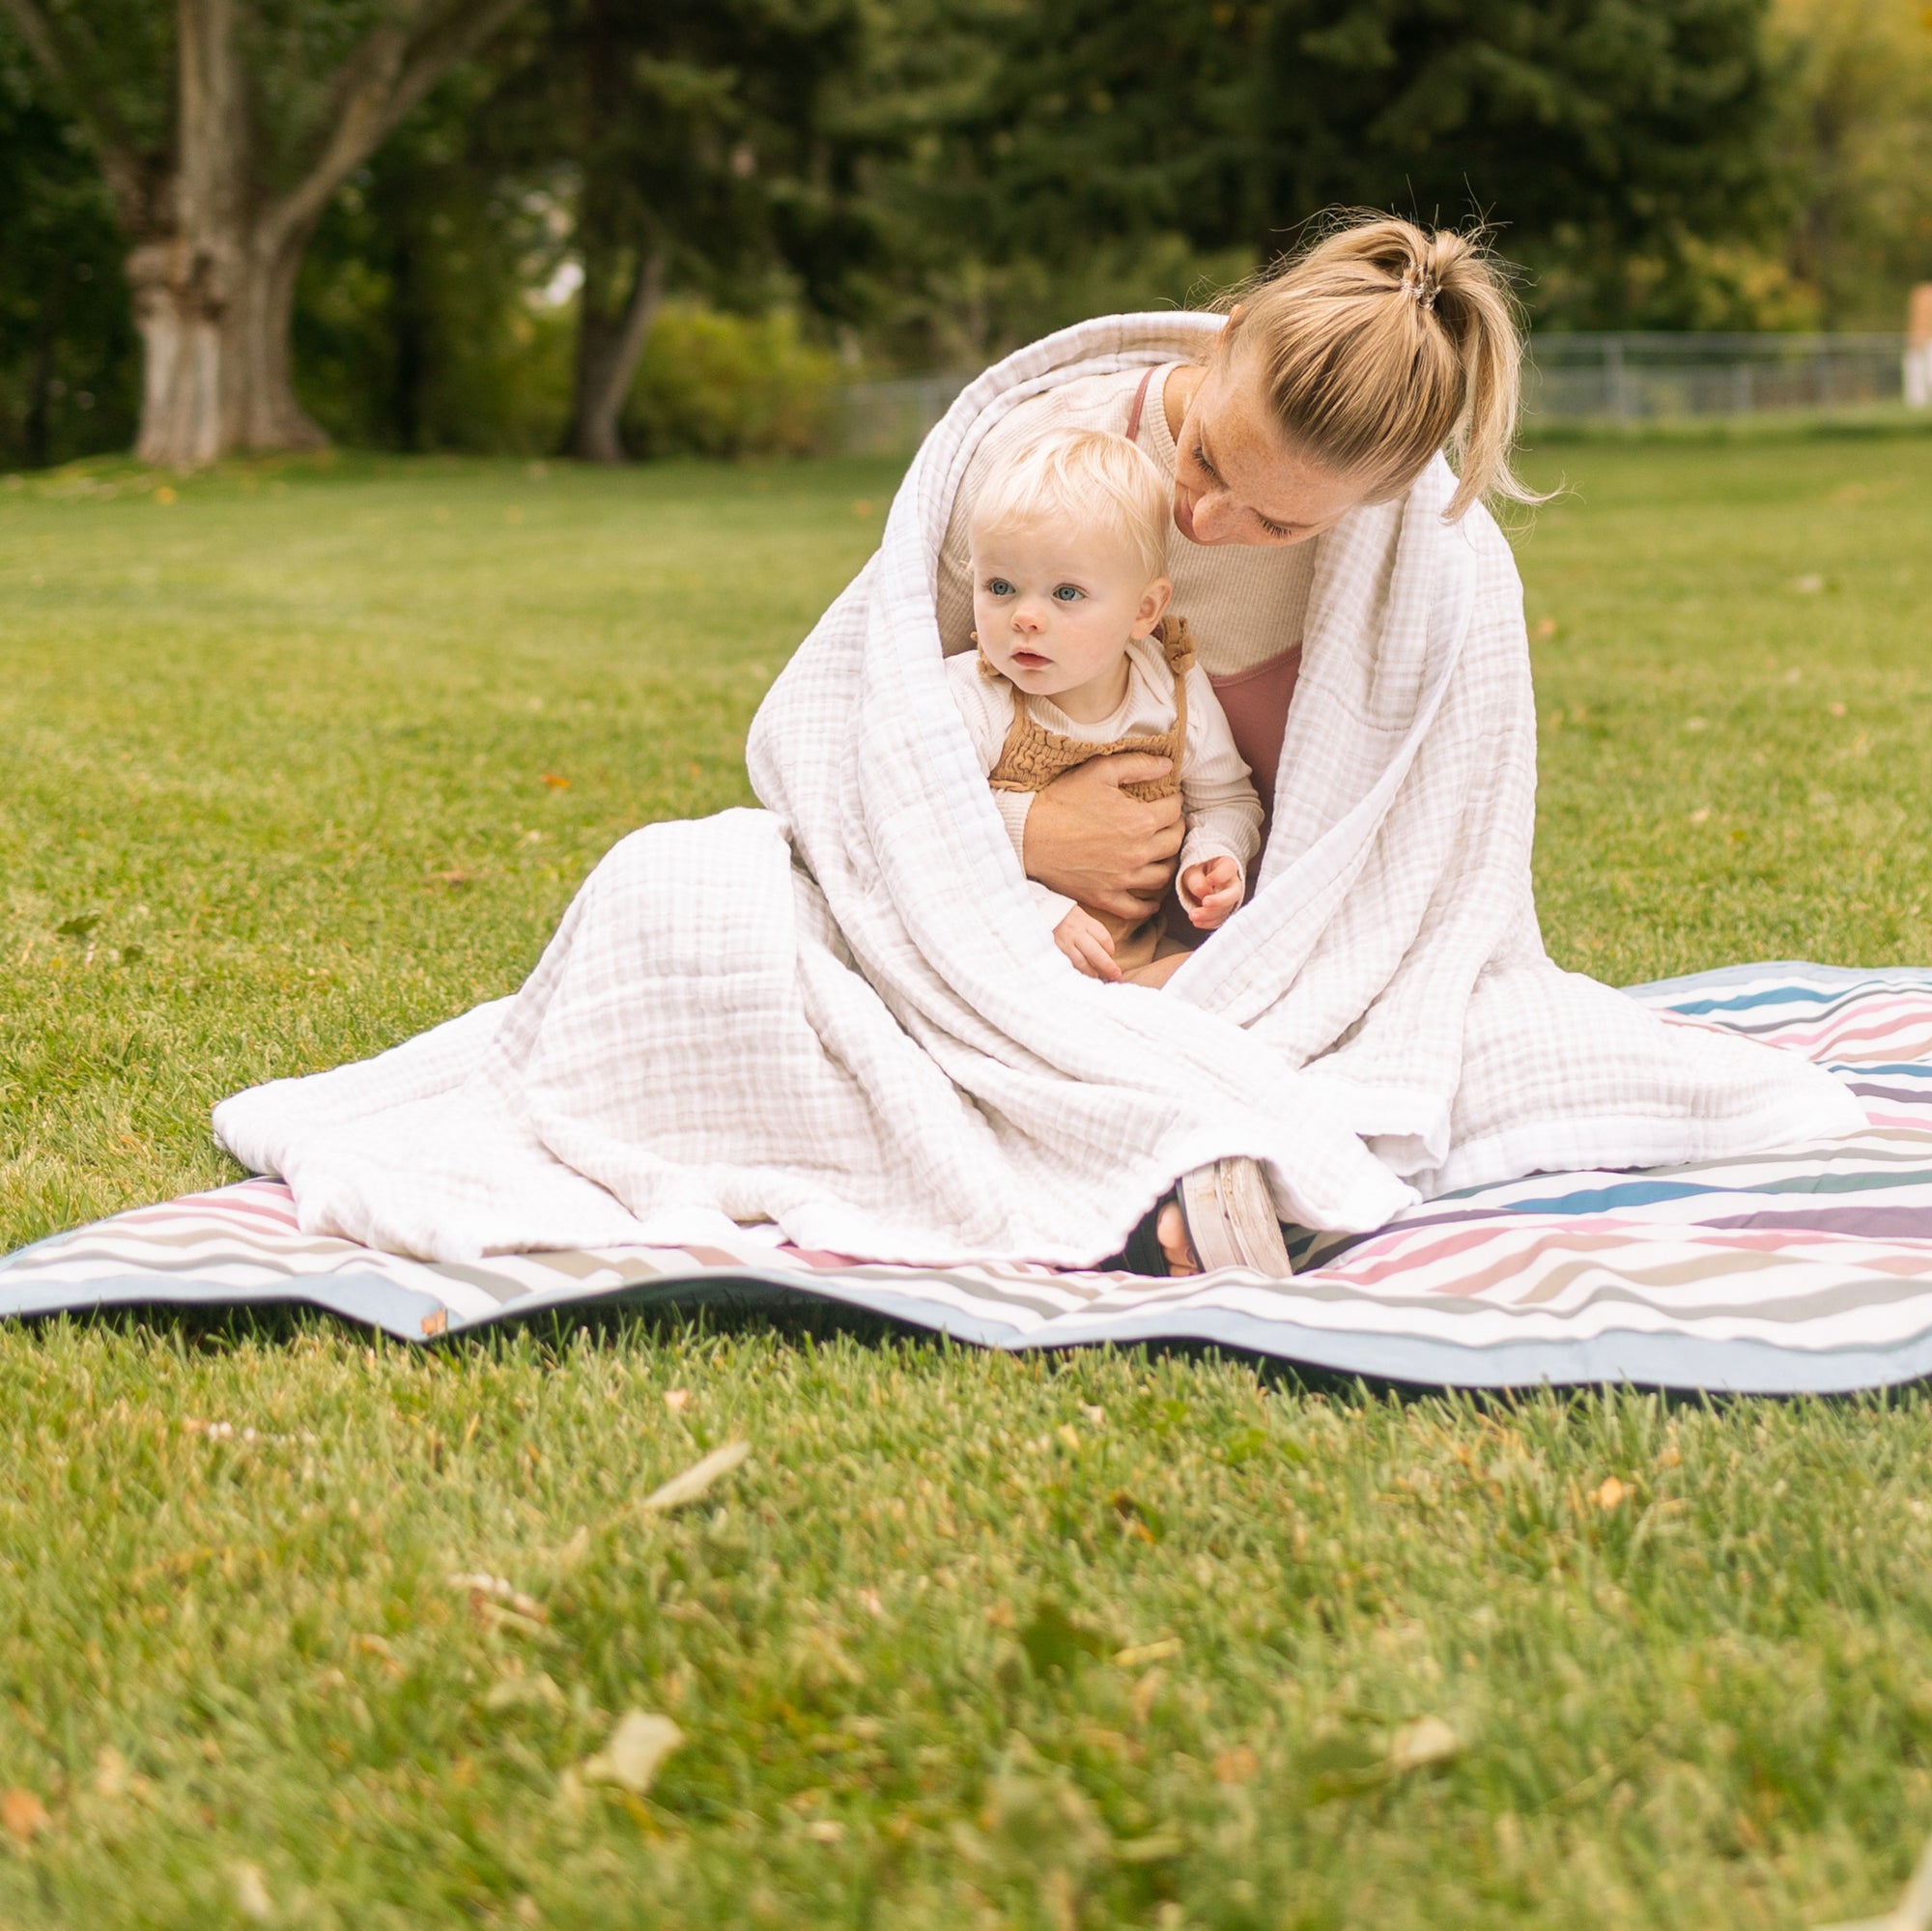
(214, 316)
(213, 297)
(607, 358)
(213, 263)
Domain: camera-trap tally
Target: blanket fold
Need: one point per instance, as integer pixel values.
(840, 1014)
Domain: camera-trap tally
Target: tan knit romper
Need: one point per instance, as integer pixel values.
(1033, 756)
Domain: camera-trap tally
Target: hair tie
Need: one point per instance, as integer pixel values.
(1420, 285)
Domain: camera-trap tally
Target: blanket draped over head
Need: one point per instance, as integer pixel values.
(841, 1013)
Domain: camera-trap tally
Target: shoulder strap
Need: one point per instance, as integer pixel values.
(1140, 403)
(1177, 643)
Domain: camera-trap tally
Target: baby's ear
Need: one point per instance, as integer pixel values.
(1154, 600)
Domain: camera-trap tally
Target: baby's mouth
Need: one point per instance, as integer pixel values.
(1031, 660)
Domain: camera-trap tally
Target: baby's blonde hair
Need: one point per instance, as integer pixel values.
(1379, 345)
(1090, 477)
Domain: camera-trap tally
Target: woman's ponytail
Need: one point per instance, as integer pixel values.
(1380, 345)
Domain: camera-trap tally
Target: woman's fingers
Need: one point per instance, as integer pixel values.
(1088, 838)
(1129, 767)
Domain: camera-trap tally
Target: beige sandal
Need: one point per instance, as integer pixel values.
(1231, 1221)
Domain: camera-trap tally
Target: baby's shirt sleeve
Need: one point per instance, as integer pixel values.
(1218, 799)
(986, 704)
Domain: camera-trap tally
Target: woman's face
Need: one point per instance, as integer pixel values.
(1237, 479)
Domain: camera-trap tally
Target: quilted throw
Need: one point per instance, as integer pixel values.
(838, 1015)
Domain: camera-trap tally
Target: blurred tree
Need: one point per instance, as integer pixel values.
(419, 321)
(222, 135)
(1858, 148)
(695, 134)
(1595, 133)
(67, 347)
(1608, 140)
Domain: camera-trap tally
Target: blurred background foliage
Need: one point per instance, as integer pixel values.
(736, 204)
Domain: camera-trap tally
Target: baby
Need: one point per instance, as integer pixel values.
(1078, 658)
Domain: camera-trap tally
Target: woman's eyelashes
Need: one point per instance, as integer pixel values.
(1214, 475)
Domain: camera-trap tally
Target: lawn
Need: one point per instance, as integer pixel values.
(302, 758)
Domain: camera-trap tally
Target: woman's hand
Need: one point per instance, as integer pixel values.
(1088, 944)
(1215, 887)
(1087, 839)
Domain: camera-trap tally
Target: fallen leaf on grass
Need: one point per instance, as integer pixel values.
(1137, 1653)
(632, 1752)
(379, 1648)
(525, 1692)
(555, 782)
(1345, 1766)
(1155, 1846)
(23, 1814)
(79, 925)
(481, 1588)
(251, 1894)
(1611, 1493)
(698, 1477)
(676, 1398)
(1426, 1741)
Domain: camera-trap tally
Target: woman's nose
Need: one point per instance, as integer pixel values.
(1212, 517)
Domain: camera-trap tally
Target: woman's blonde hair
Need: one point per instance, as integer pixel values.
(1381, 343)
(1090, 478)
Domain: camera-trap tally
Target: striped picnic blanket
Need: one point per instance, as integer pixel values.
(1809, 1270)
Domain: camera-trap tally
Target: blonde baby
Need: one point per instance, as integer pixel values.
(1079, 657)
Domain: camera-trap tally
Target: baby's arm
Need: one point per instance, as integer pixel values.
(986, 703)
(1222, 808)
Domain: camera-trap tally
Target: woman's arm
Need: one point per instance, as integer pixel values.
(1085, 837)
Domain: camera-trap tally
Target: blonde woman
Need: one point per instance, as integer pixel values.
(842, 1016)
(1334, 383)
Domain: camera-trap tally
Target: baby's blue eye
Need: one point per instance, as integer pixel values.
(999, 587)
(1068, 593)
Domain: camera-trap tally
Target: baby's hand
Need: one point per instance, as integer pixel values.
(1088, 944)
(1215, 887)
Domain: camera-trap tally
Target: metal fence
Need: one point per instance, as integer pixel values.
(891, 418)
(1658, 377)
(1627, 378)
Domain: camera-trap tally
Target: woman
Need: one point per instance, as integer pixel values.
(840, 1016)
(1334, 384)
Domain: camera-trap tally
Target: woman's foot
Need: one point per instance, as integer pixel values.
(1222, 1216)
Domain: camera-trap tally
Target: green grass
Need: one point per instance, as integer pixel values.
(285, 741)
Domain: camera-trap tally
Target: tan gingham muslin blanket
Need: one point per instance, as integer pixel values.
(840, 1014)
